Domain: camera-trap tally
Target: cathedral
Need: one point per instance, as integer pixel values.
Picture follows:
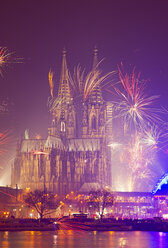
(76, 150)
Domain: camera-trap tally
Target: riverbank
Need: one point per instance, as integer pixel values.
(27, 225)
(110, 224)
(87, 224)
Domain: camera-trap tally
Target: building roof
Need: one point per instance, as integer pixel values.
(75, 145)
(83, 145)
(132, 194)
(28, 145)
(54, 142)
(88, 187)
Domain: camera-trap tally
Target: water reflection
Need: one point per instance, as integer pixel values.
(76, 239)
(55, 240)
(122, 242)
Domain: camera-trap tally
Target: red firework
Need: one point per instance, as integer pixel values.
(5, 139)
(7, 58)
(135, 106)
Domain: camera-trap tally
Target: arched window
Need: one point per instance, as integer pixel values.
(62, 126)
(53, 122)
(94, 122)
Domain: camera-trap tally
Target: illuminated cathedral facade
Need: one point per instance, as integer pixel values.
(76, 151)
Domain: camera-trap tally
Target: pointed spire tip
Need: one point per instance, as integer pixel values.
(95, 50)
(64, 51)
(95, 59)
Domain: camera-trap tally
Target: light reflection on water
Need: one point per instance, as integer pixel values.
(81, 239)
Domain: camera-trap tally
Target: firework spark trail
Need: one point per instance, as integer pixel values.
(5, 138)
(4, 106)
(141, 119)
(7, 58)
(140, 153)
(51, 83)
(20, 200)
(164, 136)
(84, 84)
(154, 138)
(151, 137)
(135, 107)
(54, 103)
(134, 150)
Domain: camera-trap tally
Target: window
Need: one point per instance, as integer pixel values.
(53, 122)
(62, 126)
(94, 122)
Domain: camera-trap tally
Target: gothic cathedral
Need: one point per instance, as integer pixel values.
(76, 150)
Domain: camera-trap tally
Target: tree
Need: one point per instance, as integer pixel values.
(42, 202)
(100, 199)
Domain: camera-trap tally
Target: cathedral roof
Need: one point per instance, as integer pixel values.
(29, 145)
(75, 145)
(54, 142)
(83, 145)
(32, 145)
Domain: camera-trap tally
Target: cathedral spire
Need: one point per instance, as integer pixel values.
(64, 89)
(96, 95)
(95, 59)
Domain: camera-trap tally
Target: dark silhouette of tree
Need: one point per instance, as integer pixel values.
(44, 203)
(100, 199)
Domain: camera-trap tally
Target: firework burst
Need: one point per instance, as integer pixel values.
(139, 153)
(136, 108)
(54, 103)
(151, 137)
(7, 58)
(83, 84)
(5, 139)
(4, 106)
(51, 83)
(142, 137)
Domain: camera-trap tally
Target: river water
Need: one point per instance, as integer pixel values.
(82, 239)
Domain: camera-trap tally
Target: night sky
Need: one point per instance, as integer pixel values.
(134, 32)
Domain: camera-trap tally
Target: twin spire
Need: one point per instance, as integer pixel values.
(64, 89)
(95, 58)
(64, 70)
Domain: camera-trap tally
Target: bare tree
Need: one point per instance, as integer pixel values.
(42, 202)
(100, 199)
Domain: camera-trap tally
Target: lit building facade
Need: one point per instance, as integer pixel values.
(134, 205)
(75, 151)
